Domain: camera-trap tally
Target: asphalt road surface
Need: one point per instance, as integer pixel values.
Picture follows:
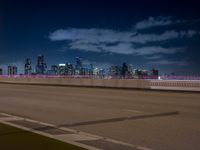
(153, 119)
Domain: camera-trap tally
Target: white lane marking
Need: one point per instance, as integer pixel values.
(68, 138)
(131, 110)
(143, 148)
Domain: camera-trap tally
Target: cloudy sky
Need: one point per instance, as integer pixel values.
(163, 35)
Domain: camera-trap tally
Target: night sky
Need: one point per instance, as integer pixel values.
(160, 34)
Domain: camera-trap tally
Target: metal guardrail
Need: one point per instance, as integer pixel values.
(180, 83)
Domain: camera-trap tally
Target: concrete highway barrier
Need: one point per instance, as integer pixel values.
(112, 83)
(182, 85)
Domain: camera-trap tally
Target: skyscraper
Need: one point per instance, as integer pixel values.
(91, 69)
(130, 71)
(12, 70)
(54, 69)
(27, 67)
(115, 71)
(62, 69)
(124, 70)
(69, 69)
(79, 66)
(1, 71)
(41, 65)
(154, 73)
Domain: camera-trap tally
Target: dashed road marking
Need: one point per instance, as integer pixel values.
(132, 110)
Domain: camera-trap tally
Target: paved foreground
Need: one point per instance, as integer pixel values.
(156, 120)
(17, 139)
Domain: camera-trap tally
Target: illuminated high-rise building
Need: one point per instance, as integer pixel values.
(41, 66)
(12, 70)
(79, 63)
(154, 73)
(130, 70)
(79, 66)
(1, 71)
(124, 70)
(62, 69)
(54, 69)
(69, 69)
(91, 69)
(115, 71)
(27, 67)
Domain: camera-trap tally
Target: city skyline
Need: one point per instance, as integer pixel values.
(79, 69)
(163, 35)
